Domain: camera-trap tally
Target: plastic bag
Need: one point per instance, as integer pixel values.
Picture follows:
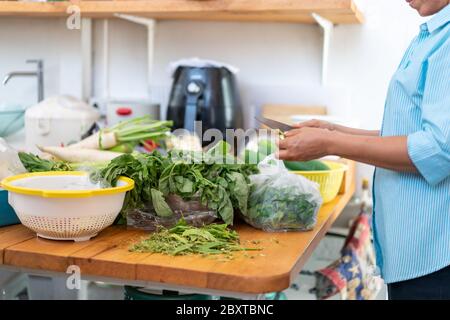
(9, 161)
(281, 200)
(193, 212)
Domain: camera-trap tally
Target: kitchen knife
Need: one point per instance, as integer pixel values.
(273, 124)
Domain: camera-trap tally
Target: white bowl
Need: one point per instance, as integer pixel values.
(65, 205)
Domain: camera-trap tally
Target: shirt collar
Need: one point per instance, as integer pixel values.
(439, 19)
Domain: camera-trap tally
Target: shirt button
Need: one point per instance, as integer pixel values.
(424, 27)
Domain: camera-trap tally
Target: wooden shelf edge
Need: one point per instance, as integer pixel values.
(337, 11)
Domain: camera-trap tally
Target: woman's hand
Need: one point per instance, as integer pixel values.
(320, 124)
(314, 123)
(305, 144)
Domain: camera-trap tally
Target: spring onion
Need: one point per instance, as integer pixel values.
(134, 130)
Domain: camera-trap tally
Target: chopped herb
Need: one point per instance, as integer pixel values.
(182, 239)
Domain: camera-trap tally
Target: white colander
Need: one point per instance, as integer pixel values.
(65, 205)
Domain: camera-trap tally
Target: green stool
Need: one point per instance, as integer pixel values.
(276, 296)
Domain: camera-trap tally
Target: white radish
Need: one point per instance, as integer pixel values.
(80, 155)
(134, 130)
(90, 142)
(99, 140)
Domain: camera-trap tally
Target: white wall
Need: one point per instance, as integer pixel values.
(364, 58)
(22, 39)
(279, 63)
(275, 60)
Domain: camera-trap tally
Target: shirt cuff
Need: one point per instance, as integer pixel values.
(426, 154)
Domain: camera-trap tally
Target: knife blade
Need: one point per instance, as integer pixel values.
(273, 124)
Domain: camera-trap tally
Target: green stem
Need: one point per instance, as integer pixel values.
(93, 165)
(139, 137)
(159, 126)
(125, 123)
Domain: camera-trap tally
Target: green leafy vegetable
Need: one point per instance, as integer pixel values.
(240, 190)
(144, 169)
(182, 239)
(281, 208)
(162, 209)
(35, 164)
(213, 177)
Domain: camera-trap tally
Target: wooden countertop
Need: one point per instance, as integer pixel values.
(272, 269)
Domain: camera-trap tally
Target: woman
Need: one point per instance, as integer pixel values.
(412, 154)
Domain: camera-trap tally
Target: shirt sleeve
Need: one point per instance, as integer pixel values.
(429, 149)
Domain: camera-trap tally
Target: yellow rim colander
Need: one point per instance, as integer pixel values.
(7, 184)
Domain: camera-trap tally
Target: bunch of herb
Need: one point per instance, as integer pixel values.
(35, 164)
(213, 177)
(182, 239)
(144, 169)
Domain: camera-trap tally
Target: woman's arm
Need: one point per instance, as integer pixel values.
(384, 152)
(335, 127)
(313, 143)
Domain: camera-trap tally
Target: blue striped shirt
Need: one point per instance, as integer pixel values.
(412, 210)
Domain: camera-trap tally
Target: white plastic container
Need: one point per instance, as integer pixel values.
(57, 121)
(65, 205)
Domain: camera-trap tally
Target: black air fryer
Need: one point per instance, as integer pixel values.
(208, 94)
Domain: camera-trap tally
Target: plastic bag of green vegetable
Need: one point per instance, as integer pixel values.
(280, 200)
(166, 211)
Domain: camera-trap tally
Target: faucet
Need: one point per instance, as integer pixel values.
(39, 73)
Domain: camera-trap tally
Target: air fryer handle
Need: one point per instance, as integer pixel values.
(190, 113)
(194, 90)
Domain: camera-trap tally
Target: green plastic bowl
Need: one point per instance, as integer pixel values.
(11, 119)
